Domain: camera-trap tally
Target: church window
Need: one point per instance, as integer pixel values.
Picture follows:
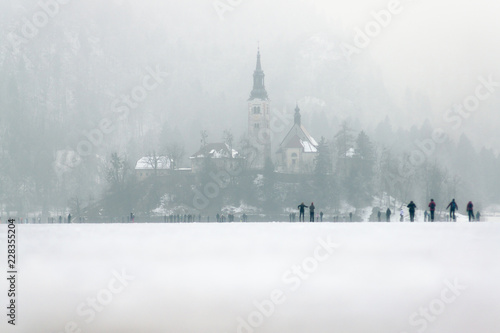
(256, 110)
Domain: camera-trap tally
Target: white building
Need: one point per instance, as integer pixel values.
(153, 165)
(298, 150)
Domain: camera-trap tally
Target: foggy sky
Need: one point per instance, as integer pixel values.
(432, 49)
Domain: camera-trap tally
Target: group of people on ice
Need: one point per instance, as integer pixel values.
(311, 207)
(452, 206)
(412, 207)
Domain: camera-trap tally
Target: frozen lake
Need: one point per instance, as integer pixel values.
(257, 277)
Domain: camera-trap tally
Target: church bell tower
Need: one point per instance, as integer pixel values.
(259, 133)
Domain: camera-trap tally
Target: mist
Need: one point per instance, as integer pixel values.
(148, 150)
(73, 74)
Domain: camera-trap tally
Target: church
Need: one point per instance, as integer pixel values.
(296, 152)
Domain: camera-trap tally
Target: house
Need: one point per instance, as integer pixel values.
(220, 154)
(152, 166)
(298, 150)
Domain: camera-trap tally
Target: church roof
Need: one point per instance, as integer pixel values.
(299, 137)
(216, 150)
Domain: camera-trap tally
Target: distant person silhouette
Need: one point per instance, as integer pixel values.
(311, 212)
(301, 208)
(453, 206)
(470, 211)
(432, 209)
(411, 207)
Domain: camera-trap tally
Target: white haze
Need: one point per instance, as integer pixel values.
(433, 51)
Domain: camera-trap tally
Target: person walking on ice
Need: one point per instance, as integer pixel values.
(301, 208)
(401, 215)
(470, 211)
(453, 206)
(311, 212)
(432, 209)
(411, 207)
(388, 215)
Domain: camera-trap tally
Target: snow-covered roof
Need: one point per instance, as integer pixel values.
(149, 162)
(309, 137)
(308, 147)
(216, 150)
(298, 137)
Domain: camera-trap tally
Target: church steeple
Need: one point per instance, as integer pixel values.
(259, 66)
(259, 119)
(259, 88)
(297, 115)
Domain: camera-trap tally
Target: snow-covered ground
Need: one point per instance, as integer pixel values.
(256, 277)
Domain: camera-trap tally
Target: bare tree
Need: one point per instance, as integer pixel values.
(204, 136)
(116, 170)
(75, 204)
(175, 152)
(154, 161)
(228, 138)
